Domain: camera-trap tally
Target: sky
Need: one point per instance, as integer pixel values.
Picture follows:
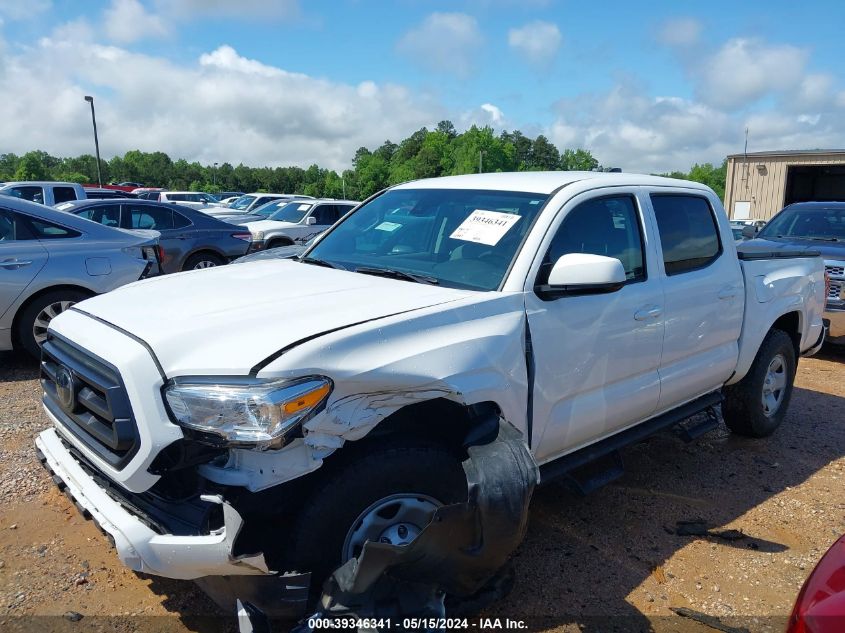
(645, 86)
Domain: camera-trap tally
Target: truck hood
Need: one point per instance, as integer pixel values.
(828, 250)
(227, 320)
(270, 225)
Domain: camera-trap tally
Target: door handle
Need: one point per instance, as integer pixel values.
(12, 264)
(729, 292)
(649, 312)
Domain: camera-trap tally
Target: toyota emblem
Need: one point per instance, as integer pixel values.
(65, 389)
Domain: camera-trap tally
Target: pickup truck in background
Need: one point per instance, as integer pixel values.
(287, 414)
(44, 192)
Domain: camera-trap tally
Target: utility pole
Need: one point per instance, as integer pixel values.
(481, 161)
(90, 100)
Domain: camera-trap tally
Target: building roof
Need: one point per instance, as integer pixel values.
(789, 152)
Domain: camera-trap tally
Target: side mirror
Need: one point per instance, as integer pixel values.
(310, 220)
(581, 273)
(749, 231)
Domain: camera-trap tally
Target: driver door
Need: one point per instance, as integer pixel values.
(596, 355)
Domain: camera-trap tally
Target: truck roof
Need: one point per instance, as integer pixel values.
(40, 183)
(544, 181)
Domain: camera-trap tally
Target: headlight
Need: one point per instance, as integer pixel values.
(258, 235)
(256, 412)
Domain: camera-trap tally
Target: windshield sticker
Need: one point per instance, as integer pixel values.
(388, 226)
(303, 207)
(485, 227)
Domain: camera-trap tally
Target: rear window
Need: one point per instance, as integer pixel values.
(150, 217)
(63, 194)
(48, 231)
(107, 214)
(688, 232)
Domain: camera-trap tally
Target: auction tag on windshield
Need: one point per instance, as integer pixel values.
(303, 207)
(388, 226)
(485, 227)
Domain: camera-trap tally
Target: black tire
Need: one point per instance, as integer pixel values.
(28, 333)
(744, 409)
(203, 260)
(320, 532)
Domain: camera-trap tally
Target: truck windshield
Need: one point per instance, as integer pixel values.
(242, 203)
(807, 223)
(459, 238)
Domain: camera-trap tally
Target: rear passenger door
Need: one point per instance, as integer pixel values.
(704, 298)
(21, 258)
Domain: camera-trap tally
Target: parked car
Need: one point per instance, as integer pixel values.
(103, 194)
(137, 185)
(50, 260)
(820, 226)
(230, 194)
(245, 204)
(189, 239)
(737, 227)
(193, 199)
(820, 606)
(265, 211)
(296, 222)
(147, 193)
(44, 192)
(291, 414)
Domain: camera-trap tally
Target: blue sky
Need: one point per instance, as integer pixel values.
(645, 86)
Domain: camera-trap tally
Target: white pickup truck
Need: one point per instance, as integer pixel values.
(282, 414)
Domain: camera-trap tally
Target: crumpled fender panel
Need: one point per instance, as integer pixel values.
(459, 552)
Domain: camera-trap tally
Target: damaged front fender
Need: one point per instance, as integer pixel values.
(458, 553)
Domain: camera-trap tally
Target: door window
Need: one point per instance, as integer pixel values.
(32, 193)
(602, 226)
(63, 194)
(107, 214)
(326, 214)
(180, 221)
(12, 228)
(688, 232)
(150, 217)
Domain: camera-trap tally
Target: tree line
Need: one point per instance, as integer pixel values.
(424, 154)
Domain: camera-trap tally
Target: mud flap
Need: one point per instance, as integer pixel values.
(458, 553)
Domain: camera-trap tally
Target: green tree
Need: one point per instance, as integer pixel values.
(544, 155)
(478, 148)
(32, 167)
(577, 160)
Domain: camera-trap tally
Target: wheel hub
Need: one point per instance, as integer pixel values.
(774, 385)
(394, 520)
(42, 321)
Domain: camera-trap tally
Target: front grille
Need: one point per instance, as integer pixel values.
(835, 290)
(835, 271)
(88, 397)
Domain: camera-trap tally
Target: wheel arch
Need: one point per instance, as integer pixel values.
(21, 308)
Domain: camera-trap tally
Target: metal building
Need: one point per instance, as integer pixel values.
(759, 184)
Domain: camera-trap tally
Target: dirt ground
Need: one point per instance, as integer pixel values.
(612, 561)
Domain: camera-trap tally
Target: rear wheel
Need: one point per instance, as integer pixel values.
(757, 404)
(198, 261)
(31, 330)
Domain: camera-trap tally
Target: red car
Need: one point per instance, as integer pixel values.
(820, 607)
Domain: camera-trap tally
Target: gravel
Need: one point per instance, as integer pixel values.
(757, 516)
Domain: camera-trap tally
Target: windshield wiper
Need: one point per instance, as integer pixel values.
(818, 238)
(318, 262)
(397, 274)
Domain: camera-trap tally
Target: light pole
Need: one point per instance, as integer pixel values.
(90, 100)
(214, 175)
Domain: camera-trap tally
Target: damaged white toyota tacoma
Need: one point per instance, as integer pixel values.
(428, 356)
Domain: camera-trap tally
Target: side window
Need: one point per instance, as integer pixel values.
(688, 232)
(106, 214)
(12, 228)
(180, 221)
(326, 214)
(63, 194)
(150, 217)
(44, 230)
(34, 194)
(602, 226)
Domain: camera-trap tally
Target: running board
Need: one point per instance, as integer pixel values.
(597, 454)
(694, 430)
(596, 474)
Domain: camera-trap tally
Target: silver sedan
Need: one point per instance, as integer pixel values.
(50, 260)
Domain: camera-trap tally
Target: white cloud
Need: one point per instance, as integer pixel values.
(23, 9)
(484, 115)
(743, 71)
(273, 9)
(497, 117)
(198, 110)
(680, 32)
(537, 41)
(127, 21)
(447, 42)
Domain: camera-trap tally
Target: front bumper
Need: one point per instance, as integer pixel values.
(138, 546)
(837, 324)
